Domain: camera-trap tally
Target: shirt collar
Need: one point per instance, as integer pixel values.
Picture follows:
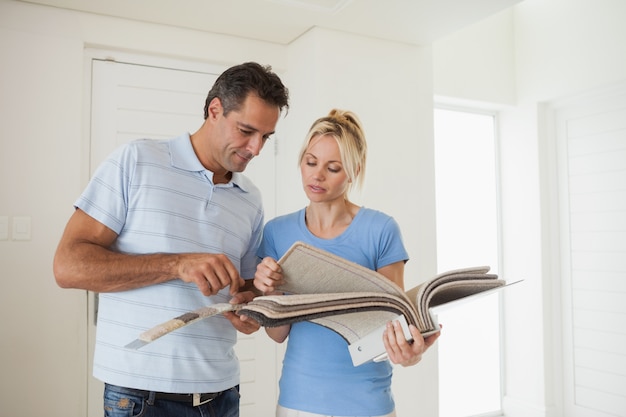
(183, 157)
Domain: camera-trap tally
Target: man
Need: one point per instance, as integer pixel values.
(165, 227)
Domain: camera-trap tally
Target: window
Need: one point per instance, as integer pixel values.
(467, 235)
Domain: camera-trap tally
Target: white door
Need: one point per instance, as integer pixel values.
(591, 155)
(130, 101)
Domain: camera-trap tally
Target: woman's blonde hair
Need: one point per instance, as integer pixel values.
(346, 128)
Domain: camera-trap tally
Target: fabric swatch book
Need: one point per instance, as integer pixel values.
(352, 300)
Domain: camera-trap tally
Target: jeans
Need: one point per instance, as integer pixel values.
(124, 404)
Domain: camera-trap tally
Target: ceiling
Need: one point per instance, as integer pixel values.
(282, 21)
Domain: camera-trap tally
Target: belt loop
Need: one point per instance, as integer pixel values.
(151, 397)
(198, 399)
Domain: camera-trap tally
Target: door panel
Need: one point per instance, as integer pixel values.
(130, 101)
(591, 153)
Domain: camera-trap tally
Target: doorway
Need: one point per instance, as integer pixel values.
(135, 97)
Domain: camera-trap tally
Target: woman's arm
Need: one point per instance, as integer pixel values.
(268, 276)
(394, 272)
(278, 334)
(401, 351)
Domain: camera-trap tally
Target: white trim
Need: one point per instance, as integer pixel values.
(472, 106)
(152, 60)
(518, 408)
(551, 242)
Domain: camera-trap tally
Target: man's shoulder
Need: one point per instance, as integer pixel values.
(142, 146)
(147, 144)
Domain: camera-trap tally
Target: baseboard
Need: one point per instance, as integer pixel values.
(515, 407)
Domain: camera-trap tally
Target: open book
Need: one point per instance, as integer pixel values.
(357, 302)
(354, 301)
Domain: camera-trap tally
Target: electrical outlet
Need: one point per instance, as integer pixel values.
(21, 228)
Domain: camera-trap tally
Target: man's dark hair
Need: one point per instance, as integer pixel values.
(233, 86)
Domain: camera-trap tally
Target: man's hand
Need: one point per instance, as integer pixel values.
(244, 324)
(401, 351)
(210, 272)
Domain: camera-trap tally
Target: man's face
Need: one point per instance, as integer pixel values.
(241, 134)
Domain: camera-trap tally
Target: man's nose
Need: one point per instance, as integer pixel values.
(256, 144)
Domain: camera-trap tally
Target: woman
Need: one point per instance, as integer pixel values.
(318, 377)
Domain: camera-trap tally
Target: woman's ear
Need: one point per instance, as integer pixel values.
(357, 172)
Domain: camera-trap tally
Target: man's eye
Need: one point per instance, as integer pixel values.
(246, 132)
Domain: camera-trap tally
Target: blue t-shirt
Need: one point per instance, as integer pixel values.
(318, 375)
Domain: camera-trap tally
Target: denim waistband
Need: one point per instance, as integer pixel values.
(194, 399)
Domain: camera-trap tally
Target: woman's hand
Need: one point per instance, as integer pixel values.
(400, 350)
(268, 276)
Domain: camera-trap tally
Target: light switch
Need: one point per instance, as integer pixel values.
(21, 228)
(4, 227)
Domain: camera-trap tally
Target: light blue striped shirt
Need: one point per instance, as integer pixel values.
(158, 198)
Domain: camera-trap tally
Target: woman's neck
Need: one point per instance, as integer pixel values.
(329, 220)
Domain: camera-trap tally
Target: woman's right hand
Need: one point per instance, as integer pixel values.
(268, 276)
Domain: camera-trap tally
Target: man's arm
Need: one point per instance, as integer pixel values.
(83, 260)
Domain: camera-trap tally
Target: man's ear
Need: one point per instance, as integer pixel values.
(215, 108)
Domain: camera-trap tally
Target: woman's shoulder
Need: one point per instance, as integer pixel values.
(376, 222)
(373, 214)
(285, 219)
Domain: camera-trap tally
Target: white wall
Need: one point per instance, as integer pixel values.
(556, 48)
(43, 168)
(44, 154)
(477, 63)
(540, 51)
(565, 47)
(389, 86)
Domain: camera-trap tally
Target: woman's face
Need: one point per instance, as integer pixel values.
(323, 176)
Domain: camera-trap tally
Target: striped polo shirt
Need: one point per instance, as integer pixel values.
(158, 198)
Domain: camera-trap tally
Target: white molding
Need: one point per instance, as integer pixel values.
(515, 407)
(151, 60)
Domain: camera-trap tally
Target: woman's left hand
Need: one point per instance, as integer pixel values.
(400, 350)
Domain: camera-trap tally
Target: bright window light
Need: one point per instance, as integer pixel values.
(467, 235)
